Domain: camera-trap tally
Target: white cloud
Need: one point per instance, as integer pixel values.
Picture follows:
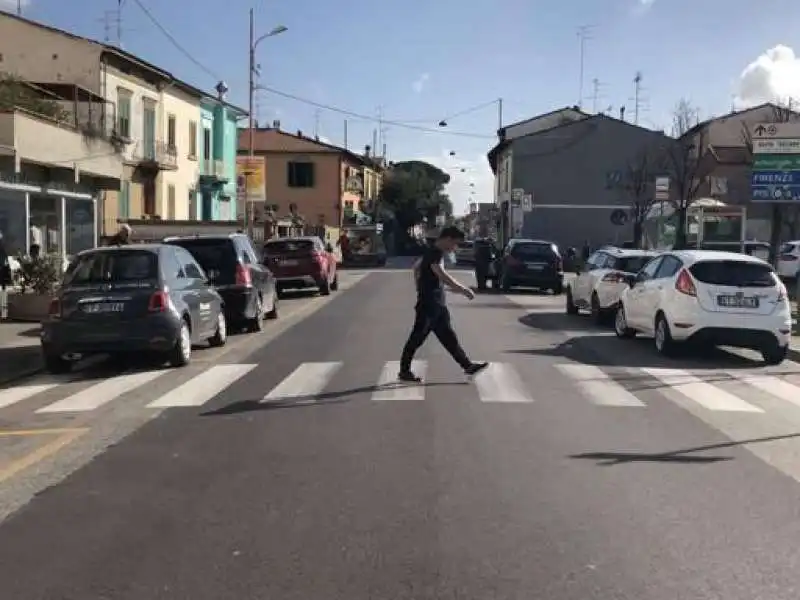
(467, 174)
(642, 6)
(419, 84)
(773, 76)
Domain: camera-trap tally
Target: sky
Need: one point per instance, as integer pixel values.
(401, 67)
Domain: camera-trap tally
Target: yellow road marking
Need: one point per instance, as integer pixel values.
(64, 438)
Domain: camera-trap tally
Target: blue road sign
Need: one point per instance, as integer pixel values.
(776, 193)
(775, 178)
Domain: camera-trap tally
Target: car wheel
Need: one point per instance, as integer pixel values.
(664, 343)
(572, 308)
(272, 314)
(325, 287)
(335, 282)
(55, 364)
(220, 336)
(256, 323)
(182, 352)
(774, 355)
(621, 324)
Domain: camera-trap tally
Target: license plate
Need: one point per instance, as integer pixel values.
(104, 307)
(535, 266)
(289, 263)
(737, 301)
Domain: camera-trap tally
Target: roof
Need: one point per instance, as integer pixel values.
(707, 122)
(113, 50)
(282, 146)
(624, 252)
(203, 236)
(547, 114)
(730, 155)
(151, 247)
(693, 256)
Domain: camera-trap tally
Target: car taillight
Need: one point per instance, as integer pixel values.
(684, 284)
(615, 277)
(54, 310)
(158, 302)
(243, 276)
(512, 260)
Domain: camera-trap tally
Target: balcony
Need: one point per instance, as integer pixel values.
(214, 171)
(38, 139)
(157, 155)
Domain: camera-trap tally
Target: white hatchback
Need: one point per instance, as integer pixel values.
(708, 297)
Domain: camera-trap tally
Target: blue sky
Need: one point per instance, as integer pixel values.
(360, 55)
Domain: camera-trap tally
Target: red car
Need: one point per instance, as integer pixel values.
(301, 263)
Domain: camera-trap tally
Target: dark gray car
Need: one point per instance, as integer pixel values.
(151, 298)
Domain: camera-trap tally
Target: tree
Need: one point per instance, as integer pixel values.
(637, 184)
(780, 214)
(686, 163)
(413, 192)
(15, 93)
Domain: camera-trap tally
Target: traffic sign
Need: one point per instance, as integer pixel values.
(775, 178)
(775, 193)
(662, 188)
(777, 146)
(776, 162)
(527, 202)
(771, 131)
(619, 216)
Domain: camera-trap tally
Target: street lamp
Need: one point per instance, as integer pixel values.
(254, 42)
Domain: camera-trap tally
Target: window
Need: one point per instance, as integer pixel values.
(669, 266)
(171, 132)
(190, 266)
(193, 139)
(300, 174)
(124, 113)
(733, 273)
(124, 197)
(122, 265)
(206, 143)
(649, 270)
(631, 264)
(171, 202)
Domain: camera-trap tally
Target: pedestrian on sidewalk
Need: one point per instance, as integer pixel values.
(5, 278)
(431, 314)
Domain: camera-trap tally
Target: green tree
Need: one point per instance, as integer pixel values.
(413, 192)
(15, 93)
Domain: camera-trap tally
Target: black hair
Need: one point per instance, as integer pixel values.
(452, 232)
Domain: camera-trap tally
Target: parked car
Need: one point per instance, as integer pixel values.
(789, 260)
(465, 253)
(600, 282)
(708, 297)
(151, 298)
(233, 267)
(302, 263)
(530, 263)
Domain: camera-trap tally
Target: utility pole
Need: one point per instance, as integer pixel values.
(637, 88)
(316, 124)
(595, 94)
(119, 22)
(19, 8)
(584, 32)
(251, 139)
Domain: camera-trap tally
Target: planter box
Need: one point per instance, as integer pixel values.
(28, 307)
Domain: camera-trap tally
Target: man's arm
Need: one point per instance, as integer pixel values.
(449, 280)
(415, 268)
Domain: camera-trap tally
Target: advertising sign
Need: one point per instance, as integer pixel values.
(251, 178)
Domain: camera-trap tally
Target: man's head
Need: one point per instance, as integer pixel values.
(449, 238)
(125, 231)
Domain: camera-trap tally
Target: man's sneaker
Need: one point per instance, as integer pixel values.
(408, 377)
(476, 368)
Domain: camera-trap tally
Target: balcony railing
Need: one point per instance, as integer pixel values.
(215, 169)
(157, 153)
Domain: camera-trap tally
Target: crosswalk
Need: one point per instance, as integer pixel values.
(750, 391)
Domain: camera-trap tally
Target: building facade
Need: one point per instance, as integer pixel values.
(321, 182)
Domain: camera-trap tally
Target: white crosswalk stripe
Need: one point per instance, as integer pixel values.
(101, 393)
(499, 382)
(388, 388)
(199, 390)
(598, 386)
(305, 382)
(705, 394)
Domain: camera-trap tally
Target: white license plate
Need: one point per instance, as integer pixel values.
(738, 301)
(535, 266)
(104, 307)
(289, 263)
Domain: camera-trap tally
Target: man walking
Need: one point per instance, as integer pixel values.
(431, 310)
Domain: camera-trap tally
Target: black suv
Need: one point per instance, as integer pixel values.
(531, 263)
(235, 271)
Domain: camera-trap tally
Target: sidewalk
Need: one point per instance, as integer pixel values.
(20, 354)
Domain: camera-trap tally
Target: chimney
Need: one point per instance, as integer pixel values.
(299, 133)
(621, 113)
(367, 150)
(276, 124)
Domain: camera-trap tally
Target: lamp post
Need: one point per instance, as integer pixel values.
(254, 42)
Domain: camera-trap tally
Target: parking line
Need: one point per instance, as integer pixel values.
(64, 438)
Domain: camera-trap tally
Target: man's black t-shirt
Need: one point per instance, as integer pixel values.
(430, 291)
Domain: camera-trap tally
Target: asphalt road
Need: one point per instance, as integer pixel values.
(535, 480)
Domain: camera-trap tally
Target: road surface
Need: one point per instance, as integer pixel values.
(577, 467)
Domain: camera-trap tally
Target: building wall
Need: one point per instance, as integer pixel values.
(229, 148)
(185, 109)
(566, 169)
(314, 203)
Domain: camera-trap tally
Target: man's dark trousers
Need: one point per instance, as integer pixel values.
(433, 318)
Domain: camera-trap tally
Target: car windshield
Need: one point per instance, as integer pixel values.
(112, 267)
(289, 246)
(631, 264)
(534, 250)
(214, 255)
(733, 273)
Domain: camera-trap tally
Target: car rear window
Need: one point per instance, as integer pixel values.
(535, 250)
(734, 273)
(631, 264)
(788, 248)
(117, 266)
(289, 246)
(213, 254)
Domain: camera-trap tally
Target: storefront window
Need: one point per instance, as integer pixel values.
(80, 225)
(46, 225)
(12, 220)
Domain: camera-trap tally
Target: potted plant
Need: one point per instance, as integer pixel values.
(37, 280)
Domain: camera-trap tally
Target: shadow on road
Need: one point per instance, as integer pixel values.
(342, 396)
(683, 456)
(558, 320)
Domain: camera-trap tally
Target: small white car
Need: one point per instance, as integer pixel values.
(711, 298)
(789, 260)
(600, 282)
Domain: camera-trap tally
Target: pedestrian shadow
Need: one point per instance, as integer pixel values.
(682, 456)
(322, 399)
